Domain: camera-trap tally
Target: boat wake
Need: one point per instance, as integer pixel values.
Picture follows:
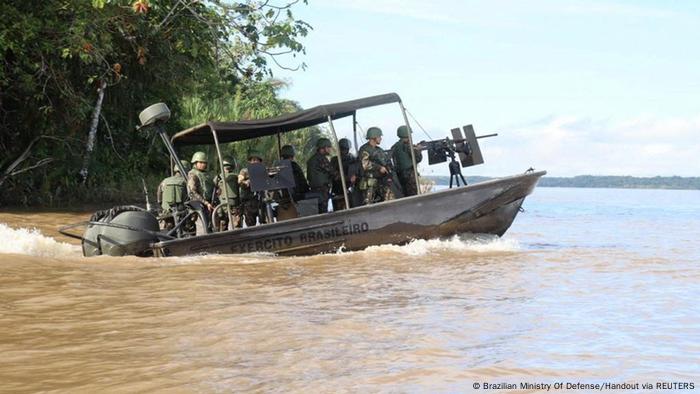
(481, 243)
(32, 242)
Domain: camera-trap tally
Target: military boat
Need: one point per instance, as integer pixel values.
(488, 207)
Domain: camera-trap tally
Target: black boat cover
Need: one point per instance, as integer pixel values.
(247, 129)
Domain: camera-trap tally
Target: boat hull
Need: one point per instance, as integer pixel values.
(485, 208)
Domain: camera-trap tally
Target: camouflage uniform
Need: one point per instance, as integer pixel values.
(200, 186)
(351, 168)
(401, 154)
(373, 184)
(250, 203)
(230, 183)
(321, 175)
(301, 185)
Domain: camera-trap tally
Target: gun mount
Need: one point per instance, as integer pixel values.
(466, 147)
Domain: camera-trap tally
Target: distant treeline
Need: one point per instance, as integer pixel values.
(621, 182)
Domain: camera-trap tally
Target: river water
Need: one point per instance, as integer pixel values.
(589, 285)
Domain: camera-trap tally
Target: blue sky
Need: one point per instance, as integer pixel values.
(574, 87)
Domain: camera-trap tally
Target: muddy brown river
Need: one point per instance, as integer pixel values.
(588, 286)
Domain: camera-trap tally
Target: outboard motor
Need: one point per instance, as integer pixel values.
(120, 231)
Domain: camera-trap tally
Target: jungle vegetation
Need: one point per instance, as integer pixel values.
(76, 73)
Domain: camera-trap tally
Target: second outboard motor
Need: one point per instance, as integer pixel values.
(120, 231)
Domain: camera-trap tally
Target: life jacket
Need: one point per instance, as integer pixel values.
(174, 191)
(229, 185)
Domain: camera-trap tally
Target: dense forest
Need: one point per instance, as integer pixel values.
(75, 74)
(619, 182)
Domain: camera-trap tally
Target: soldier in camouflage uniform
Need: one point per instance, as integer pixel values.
(401, 154)
(199, 182)
(250, 202)
(376, 183)
(230, 184)
(320, 172)
(301, 185)
(172, 191)
(172, 194)
(351, 169)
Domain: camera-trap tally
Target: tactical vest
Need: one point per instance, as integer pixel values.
(402, 157)
(318, 178)
(376, 156)
(230, 183)
(174, 191)
(205, 183)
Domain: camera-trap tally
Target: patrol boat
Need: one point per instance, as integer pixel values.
(487, 207)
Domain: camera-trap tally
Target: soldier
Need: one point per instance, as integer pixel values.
(199, 183)
(301, 185)
(172, 194)
(351, 170)
(230, 185)
(250, 202)
(376, 182)
(320, 172)
(401, 154)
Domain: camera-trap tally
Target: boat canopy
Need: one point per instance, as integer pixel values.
(248, 129)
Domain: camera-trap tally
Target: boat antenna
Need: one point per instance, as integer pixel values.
(145, 193)
(418, 123)
(355, 136)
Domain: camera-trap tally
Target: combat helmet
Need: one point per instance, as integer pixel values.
(402, 132)
(229, 161)
(287, 151)
(199, 156)
(252, 152)
(323, 143)
(344, 144)
(185, 164)
(374, 132)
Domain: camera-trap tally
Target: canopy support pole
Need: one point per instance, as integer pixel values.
(340, 163)
(223, 176)
(279, 146)
(354, 132)
(410, 142)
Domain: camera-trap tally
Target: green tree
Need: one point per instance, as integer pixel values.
(57, 54)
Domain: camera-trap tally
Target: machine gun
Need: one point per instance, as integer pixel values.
(265, 180)
(467, 147)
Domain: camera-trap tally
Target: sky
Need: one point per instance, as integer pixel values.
(573, 87)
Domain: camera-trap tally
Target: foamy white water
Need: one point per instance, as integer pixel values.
(33, 243)
(471, 243)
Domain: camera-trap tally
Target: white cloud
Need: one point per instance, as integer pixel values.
(568, 146)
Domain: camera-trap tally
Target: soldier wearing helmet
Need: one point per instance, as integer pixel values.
(172, 191)
(376, 183)
(228, 186)
(401, 154)
(301, 187)
(172, 194)
(320, 172)
(351, 171)
(250, 201)
(199, 183)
